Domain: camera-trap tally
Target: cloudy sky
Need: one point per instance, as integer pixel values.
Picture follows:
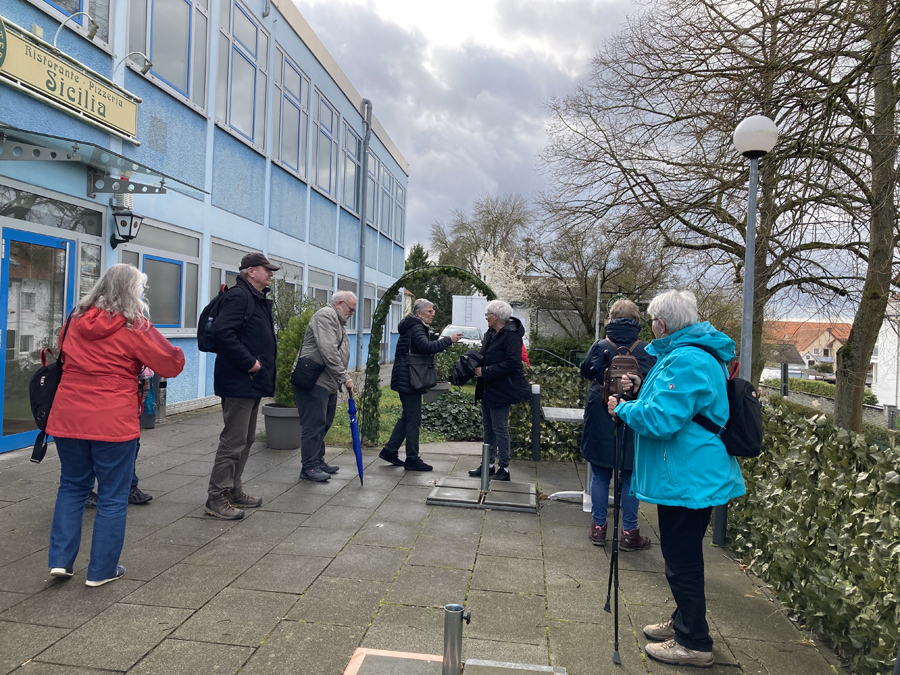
(461, 86)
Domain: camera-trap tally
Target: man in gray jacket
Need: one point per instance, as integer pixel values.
(325, 342)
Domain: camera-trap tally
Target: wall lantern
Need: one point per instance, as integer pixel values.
(127, 225)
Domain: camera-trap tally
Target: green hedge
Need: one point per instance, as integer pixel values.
(817, 388)
(454, 415)
(561, 346)
(561, 387)
(821, 524)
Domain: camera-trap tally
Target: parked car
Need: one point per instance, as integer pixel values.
(471, 335)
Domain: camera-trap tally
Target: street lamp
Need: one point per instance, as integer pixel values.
(127, 225)
(753, 138)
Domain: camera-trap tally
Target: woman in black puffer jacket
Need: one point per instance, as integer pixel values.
(413, 338)
(501, 382)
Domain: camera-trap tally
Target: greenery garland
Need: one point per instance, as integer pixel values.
(372, 392)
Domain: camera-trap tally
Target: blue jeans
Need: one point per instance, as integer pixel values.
(113, 466)
(496, 433)
(600, 497)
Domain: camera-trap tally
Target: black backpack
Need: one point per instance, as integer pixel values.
(742, 433)
(41, 391)
(206, 341)
(620, 364)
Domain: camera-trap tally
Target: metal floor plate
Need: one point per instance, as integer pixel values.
(466, 493)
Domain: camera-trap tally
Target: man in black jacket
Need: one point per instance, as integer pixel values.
(413, 339)
(245, 372)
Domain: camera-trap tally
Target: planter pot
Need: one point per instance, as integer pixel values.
(432, 394)
(282, 427)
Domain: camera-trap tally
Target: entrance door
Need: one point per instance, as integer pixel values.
(37, 283)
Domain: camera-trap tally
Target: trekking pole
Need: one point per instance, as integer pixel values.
(614, 559)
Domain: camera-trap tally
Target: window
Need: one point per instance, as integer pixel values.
(372, 188)
(368, 307)
(352, 153)
(174, 34)
(171, 261)
(26, 343)
(27, 305)
(241, 85)
(291, 114)
(387, 202)
(347, 284)
(326, 146)
(824, 352)
(396, 309)
(399, 213)
(224, 267)
(98, 9)
(816, 351)
(320, 285)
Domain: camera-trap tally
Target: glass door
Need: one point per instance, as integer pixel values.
(37, 282)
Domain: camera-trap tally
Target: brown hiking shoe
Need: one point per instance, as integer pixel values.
(598, 534)
(220, 507)
(242, 500)
(660, 631)
(678, 655)
(631, 540)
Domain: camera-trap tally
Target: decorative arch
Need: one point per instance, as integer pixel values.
(372, 393)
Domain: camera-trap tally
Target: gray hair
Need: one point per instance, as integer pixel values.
(677, 308)
(499, 308)
(422, 305)
(119, 291)
(343, 296)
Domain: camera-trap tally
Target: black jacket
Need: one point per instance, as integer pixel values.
(502, 380)
(240, 343)
(413, 338)
(464, 370)
(598, 441)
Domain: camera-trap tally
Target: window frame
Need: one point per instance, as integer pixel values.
(260, 63)
(346, 160)
(80, 24)
(281, 97)
(399, 212)
(135, 62)
(387, 194)
(373, 169)
(332, 189)
(181, 280)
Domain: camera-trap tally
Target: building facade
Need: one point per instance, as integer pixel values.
(227, 125)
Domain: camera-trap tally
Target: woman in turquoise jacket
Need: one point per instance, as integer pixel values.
(680, 466)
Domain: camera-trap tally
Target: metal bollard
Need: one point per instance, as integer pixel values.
(453, 618)
(485, 466)
(536, 422)
(784, 379)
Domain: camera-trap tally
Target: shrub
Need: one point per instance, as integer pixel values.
(289, 343)
(821, 523)
(561, 387)
(454, 415)
(446, 360)
(561, 347)
(817, 388)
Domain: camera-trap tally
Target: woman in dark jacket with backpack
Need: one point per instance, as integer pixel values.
(413, 339)
(598, 442)
(501, 383)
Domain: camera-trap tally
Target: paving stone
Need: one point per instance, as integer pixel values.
(507, 617)
(365, 497)
(161, 483)
(38, 668)
(388, 533)
(117, 638)
(757, 657)
(29, 574)
(367, 562)
(576, 600)
(282, 573)
(645, 588)
(568, 640)
(191, 531)
(513, 652)
(8, 599)
(189, 586)
(69, 603)
(314, 541)
(429, 586)
(146, 561)
(17, 490)
(22, 542)
(181, 657)
(582, 565)
(512, 575)
(568, 537)
(343, 602)
(20, 642)
(339, 517)
(739, 616)
(237, 617)
(407, 629)
(311, 649)
(195, 492)
(238, 554)
(156, 514)
(561, 513)
(297, 500)
(437, 551)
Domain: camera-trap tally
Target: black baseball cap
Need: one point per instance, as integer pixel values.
(257, 260)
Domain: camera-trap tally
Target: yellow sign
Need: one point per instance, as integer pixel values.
(58, 78)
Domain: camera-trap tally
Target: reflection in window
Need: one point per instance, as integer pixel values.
(98, 9)
(34, 208)
(352, 152)
(163, 290)
(291, 114)
(326, 146)
(90, 268)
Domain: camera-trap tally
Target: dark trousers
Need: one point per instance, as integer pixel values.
(681, 533)
(235, 440)
(407, 426)
(316, 408)
(496, 433)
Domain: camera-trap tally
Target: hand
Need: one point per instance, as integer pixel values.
(349, 384)
(255, 368)
(627, 384)
(455, 337)
(611, 405)
(478, 371)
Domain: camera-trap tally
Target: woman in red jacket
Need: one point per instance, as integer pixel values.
(94, 418)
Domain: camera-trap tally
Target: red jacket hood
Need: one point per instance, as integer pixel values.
(97, 324)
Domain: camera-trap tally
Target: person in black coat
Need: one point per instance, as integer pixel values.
(244, 335)
(414, 338)
(598, 442)
(501, 383)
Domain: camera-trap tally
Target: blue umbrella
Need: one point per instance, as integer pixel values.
(354, 430)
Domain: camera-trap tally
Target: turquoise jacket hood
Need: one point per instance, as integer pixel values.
(677, 462)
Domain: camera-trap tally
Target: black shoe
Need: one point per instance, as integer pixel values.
(138, 496)
(315, 475)
(328, 468)
(476, 473)
(502, 475)
(91, 501)
(391, 458)
(416, 464)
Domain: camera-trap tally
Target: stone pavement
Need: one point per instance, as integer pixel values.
(322, 569)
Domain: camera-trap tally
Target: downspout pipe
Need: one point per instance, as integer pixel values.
(365, 109)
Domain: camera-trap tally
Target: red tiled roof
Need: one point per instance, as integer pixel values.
(803, 333)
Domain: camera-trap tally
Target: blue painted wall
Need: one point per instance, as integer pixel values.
(349, 236)
(322, 217)
(371, 247)
(287, 211)
(239, 178)
(184, 387)
(399, 262)
(385, 254)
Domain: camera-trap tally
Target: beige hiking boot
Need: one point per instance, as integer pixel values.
(659, 632)
(678, 655)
